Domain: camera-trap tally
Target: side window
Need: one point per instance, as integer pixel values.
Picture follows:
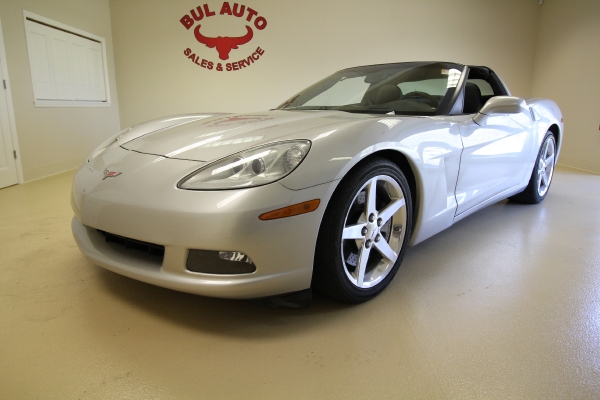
(484, 87)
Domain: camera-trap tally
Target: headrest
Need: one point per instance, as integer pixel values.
(388, 92)
(472, 103)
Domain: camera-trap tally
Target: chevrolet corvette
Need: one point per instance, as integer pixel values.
(325, 192)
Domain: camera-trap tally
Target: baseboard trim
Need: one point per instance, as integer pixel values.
(576, 163)
(44, 171)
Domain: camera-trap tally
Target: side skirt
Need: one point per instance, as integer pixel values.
(500, 196)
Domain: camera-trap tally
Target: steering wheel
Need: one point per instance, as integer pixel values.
(422, 95)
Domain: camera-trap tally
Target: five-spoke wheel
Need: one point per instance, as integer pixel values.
(546, 165)
(541, 176)
(364, 232)
(373, 231)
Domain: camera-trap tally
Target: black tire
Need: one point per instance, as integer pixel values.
(333, 272)
(536, 190)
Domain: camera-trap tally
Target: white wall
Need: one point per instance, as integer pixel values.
(304, 42)
(547, 51)
(54, 140)
(567, 70)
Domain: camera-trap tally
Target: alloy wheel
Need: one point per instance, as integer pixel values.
(546, 166)
(374, 230)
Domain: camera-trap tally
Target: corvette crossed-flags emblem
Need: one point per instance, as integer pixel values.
(110, 174)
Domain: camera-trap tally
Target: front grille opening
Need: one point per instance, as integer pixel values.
(131, 244)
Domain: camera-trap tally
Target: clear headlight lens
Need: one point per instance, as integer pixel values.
(253, 167)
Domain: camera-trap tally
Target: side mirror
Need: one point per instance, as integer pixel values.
(500, 105)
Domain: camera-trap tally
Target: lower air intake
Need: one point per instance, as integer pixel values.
(132, 244)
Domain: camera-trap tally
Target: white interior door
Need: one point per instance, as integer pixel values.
(8, 165)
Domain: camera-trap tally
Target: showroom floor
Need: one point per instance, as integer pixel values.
(506, 304)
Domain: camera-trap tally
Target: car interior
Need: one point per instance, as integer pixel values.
(424, 89)
(414, 91)
(482, 84)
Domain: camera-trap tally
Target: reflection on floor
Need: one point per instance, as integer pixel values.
(506, 304)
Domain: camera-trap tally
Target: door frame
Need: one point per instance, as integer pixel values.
(9, 105)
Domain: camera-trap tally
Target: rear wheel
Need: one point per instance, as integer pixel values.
(364, 233)
(542, 173)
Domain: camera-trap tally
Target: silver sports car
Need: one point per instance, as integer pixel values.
(326, 191)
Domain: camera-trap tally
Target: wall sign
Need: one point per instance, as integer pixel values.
(227, 48)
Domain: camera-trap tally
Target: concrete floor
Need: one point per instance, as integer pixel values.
(505, 304)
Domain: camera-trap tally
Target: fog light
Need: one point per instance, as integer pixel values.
(235, 256)
(219, 262)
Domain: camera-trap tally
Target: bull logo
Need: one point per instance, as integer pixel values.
(224, 44)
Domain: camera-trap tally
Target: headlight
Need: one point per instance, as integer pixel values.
(253, 167)
(107, 143)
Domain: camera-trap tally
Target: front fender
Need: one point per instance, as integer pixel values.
(431, 145)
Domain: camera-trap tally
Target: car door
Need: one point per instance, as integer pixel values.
(495, 157)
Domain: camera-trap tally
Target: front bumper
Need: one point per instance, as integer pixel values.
(282, 250)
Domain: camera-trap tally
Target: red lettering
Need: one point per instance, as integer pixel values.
(240, 12)
(192, 57)
(207, 11)
(253, 56)
(249, 60)
(187, 21)
(196, 60)
(210, 65)
(187, 51)
(236, 67)
(251, 13)
(242, 64)
(225, 9)
(198, 16)
(260, 23)
(260, 51)
(228, 67)
(204, 63)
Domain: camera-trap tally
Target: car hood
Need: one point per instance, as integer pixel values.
(218, 136)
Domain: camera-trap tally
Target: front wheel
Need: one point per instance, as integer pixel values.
(364, 232)
(542, 173)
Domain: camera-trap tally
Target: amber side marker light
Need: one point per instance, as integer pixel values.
(290, 211)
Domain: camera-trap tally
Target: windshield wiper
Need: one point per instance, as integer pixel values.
(319, 108)
(386, 111)
(369, 111)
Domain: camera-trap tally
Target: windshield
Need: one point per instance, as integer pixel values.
(405, 88)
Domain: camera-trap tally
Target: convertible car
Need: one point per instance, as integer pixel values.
(324, 192)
